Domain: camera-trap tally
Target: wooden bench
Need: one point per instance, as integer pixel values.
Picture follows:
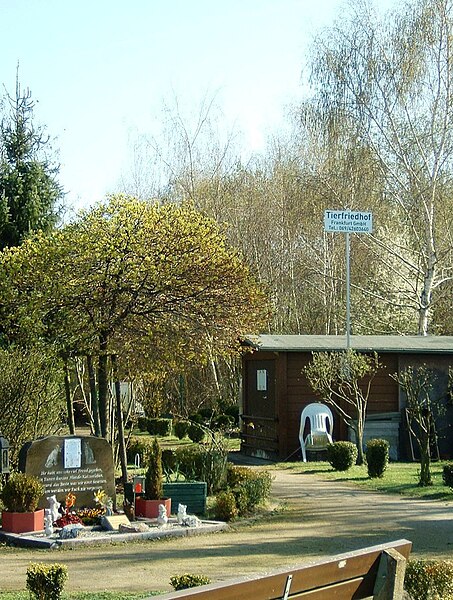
(376, 572)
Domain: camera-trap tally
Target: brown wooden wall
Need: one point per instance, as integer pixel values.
(293, 392)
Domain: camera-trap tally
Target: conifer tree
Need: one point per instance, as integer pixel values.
(29, 191)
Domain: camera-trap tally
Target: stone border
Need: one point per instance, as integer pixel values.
(93, 537)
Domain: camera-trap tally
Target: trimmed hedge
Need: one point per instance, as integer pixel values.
(377, 457)
(181, 429)
(46, 581)
(196, 433)
(160, 427)
(447, 475)
(342, 455)
(142, 423)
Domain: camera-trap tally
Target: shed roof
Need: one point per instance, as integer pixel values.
(366, 343)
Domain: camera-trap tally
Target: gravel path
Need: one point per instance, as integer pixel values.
(319, 518)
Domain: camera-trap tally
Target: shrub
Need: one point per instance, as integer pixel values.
(224, 422)
(250, 488)
(341, 455)
(46, 582)
(204, 463)
(195, 433)
(153, 477)
(196, 418)
(207, 414)
(140, 446)
(142, 423)
(169, 460)
(377, 457)
(181, 429)
(225, 508)
(21, 493)
(236, 475)
(429, 580)
(160, 427)
(233, 411)
(447, 474)
(188, 580)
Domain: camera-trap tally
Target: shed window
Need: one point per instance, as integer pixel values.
(261, 380)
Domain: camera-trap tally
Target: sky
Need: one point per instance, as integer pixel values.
(101, 71)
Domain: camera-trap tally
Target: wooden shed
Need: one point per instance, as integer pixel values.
(275, 390)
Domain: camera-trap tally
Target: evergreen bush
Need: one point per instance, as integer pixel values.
(46, 581)
(169, 461)
(181, 429)
(447, 475)
(142, 423)
(429, 579)
(140, 446)
(160, 427)
(225, 508)
(377, 457)
(154, 473)
(204, 462)
(196, 433)
(21, 493)
(188, 580)
(233, 411)
(249, 487)
(341, 455)
(224, 422)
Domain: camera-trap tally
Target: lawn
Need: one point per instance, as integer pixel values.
(399, 478)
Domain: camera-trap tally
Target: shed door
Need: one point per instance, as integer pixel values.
(259, 415)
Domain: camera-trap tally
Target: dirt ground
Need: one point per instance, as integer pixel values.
(315, 519)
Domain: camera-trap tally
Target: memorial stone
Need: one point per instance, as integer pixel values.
(81, 465)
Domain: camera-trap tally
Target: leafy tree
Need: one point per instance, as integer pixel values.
(31, 392)
(423, 410)
(390, 81)
(343, 380)
(155, 285)
(29, 191)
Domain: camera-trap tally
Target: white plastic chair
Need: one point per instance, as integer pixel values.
(321, 428)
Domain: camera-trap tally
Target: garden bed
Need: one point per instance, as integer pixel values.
(95, 535)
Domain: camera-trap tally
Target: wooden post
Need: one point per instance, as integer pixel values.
(389, 583)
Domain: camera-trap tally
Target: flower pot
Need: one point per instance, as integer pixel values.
(150, 508)
(191, 493)
(15, 522)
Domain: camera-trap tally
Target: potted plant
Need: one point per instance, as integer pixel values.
(148, 504)
(20, 497)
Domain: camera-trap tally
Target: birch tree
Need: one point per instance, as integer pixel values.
(391, 80)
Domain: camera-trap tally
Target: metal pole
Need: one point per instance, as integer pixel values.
(348, 295)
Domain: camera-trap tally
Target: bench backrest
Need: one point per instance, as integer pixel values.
(377, 571)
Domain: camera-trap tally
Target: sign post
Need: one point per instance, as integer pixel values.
(348, 221)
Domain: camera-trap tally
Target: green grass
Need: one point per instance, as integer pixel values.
(399, 478)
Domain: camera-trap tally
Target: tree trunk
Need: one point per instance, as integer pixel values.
(119, 422)
(69, 406)
(359, 441)
(102, 385)
(425, 458)
(94, 396)
(426, 293)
